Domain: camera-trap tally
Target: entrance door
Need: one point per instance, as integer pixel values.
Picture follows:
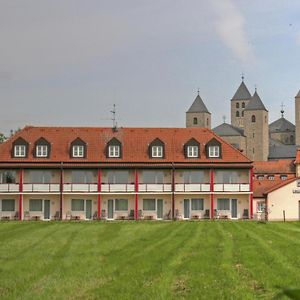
(233, 208)
(110, 209)
(88, 209)
(46, 209)
(186, 208)
(160, 208)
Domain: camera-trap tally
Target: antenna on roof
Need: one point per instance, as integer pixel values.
(243, 77)
(255, 86)
(224, 119)
(282, 110)
(198, 91)
(113, 112)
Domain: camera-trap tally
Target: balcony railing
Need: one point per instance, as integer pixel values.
(192, 187)
(80, 187)
(41, 187)
(111, 188)
(232, 187)
(163, 187)
(9, 187)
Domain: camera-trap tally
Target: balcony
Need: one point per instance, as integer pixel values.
(192, 187)
(9, 187)
(114, 188)
(41, 187)
(81, 187)
(231, 187)
(163, 187)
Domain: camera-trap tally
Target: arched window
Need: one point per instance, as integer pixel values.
(237, 105)
(265, 119)
(195, 121)
(292, 139)
(237, 114)
(253, 119)
(242, 113)
(207, 122)
(243, 105)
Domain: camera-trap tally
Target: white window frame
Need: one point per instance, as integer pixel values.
(214, 151)
(20, 151)
(157, 151)
(261, 206)
(192, 151)
(41, 150)
(78, 151)
(114, 151)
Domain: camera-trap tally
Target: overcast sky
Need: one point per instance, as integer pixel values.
(65, 62)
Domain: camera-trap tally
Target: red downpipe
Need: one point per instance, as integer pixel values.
(99, 196)
(211, 173)
(136, 194)
(173, 193)
(21, 194)
(251, 195)
(61, 190)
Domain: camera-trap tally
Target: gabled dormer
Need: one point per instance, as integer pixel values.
(156, 149)
(42, 148)
(213, 149)
(78, 149)
(192, 149)
(20, 148)
(114, 148)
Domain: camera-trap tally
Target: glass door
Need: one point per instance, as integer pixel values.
(160, 208)
(186, 208)
(46, 209)
(88, 209)
(233, 208)
(110, 209)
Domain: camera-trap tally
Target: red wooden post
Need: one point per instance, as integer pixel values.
(251, 193)
(21, 173)
(61, 190)
(136, 194)
(173, 193)
(99, 196)
(211, 175)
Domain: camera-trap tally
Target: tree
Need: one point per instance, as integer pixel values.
(2, 138)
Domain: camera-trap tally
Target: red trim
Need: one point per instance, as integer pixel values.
(136, 194)
(173, 193)
(21, 195)
(251, 195)
(99, 196)
(211, 175)
(61, 192)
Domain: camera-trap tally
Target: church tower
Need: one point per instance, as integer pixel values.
(198, 114)
(239, 102)
(256, 129)
(297, 117)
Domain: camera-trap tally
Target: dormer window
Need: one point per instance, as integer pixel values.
(114, 149)
(191, 149)
(41, 151)
(214, 151)
(78, 151)
(20, 151)
(157, 149)
(19, 148)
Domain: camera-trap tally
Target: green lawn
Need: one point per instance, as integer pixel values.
(148, 260)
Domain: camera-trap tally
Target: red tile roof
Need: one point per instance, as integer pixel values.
(135, 142)
(274, 167)
(298, 156)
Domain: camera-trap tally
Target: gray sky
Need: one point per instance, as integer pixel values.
(65, 62)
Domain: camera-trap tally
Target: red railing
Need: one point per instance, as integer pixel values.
(9, 187)
(41, 187)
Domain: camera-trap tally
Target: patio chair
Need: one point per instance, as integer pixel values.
(178, 216)
(56, 216)
(168, 215)
(95, 215)
(206, 214)
(216, 214)
(246, 214)
(103, 214)
(131, 215)
(26, 215)
(140, 215)
(68, 215)
(16, 216)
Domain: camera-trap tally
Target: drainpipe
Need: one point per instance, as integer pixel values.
(99, 196)
(21, 194)
(136, 194)
(61, 189)
(211, 175)
(173, 191)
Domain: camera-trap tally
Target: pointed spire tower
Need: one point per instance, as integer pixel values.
(239, 102)
(198, 114)
(297, 117)
(256, 129)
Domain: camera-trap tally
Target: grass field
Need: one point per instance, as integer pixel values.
(148, 260)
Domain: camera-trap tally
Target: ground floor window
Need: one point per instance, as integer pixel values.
(8, 205)
(223, 204)
(121, 205)
(35, 205)
(261, 206)
(149, 204)
(197, 204)
(77, 205)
